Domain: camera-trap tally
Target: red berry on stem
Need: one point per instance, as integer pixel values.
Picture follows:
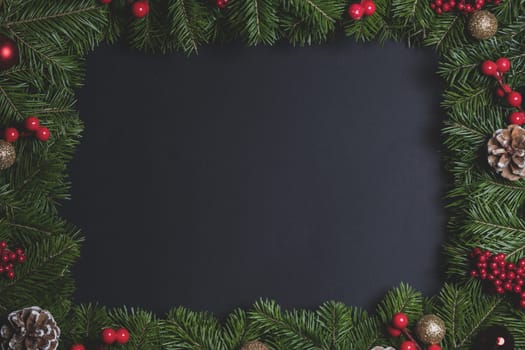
(3, 245)
(356, 11)
(489, 68)
(220, 3)
(108, 335)
(11, 134)
(43, 133)
(503, 64)
(32, 123)
(140, 8)
(369, 6)
(400, 321)
(103, 2)
(434, 347)
(22, 258)
(514, 99)
(122, 336)
(394, 332)
(78, 346)
(407, 345)
(11, 274)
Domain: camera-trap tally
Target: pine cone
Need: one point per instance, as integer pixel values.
(30, 329)
(254, 345)
(506, 151)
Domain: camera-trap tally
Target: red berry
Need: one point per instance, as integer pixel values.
(474, 273)
(500, 290)
(517, 289)
(11, 134)
(140, 8)
(80, 346)
(5, 257)
(522, 303)
(12, 256)
(514, 99)
(446, 7)
(407, 345)
(434, 347)
(102, 2)
(220, 3)
(356, 11)
(3, 245)
(22, 258)
(32, 123)
(400, 321)
(369, 6)
(122, 336)
(394, 332)
(11, 274)
(511, 266)
(43, 134)
(109, 335)
(503, 64)
(489, 68)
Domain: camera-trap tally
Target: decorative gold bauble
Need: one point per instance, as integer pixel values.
(7, 155)
(255, 345)
(430, 329)
(482, 25)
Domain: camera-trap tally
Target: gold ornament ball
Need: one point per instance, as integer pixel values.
(255, 345)
(482, 25)
(7, 155)
(430, 329)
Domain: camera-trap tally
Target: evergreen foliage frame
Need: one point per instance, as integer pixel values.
(55, 35)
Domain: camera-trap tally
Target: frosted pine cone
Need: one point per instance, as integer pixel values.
(506, 151)
(30, 329)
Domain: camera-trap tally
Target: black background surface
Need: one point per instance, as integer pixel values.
(302, 175)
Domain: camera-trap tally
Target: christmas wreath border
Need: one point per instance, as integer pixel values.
(54, 36)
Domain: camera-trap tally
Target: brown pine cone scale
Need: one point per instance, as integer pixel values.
(506, 149)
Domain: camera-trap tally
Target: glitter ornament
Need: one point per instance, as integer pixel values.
(430, 329)
(254, 345)
(482, 25)
(7, 155)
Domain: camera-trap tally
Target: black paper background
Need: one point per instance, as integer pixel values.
(299, 174)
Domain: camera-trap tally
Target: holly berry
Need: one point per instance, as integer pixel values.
(102, 2)
(43, 134)
(79, 346)
(11, 134)
(109, 336)
(369, 7)
(11, 274)
(122, 336)
(400, 321)
(514, 99)
(32, 123)
(140, 8)
(408, 345)
(503, 64)
(517, 118)
(434, 347)
(394, 332)
(356, 11)
(489, 68)
(221, 3)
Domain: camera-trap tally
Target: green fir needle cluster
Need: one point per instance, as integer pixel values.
(55, 35)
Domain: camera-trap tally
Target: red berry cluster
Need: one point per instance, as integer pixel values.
(365, 8)
(32, 126)
(110, 336)
(464, 6)
(221, 3)
(497, 70)
(139, 8)
(398, 326)
(502, 276)
(8, 258)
